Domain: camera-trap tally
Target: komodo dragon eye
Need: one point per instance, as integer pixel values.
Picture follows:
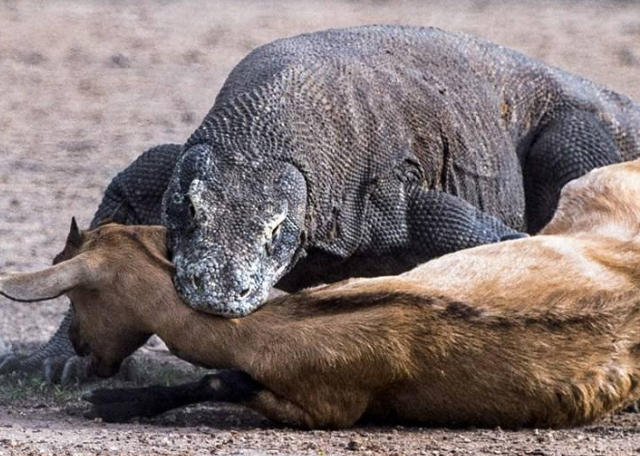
(192, 210)
(275, 236)
(276, 232)
(191, 225)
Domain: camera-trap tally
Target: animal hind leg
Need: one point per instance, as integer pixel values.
(571, 145)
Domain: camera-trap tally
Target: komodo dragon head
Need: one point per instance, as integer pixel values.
(235, 227)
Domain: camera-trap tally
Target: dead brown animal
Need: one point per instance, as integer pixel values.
(543, 331)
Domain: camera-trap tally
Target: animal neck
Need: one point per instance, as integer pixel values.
(202, 339)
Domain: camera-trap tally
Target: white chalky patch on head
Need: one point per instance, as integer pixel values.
(196, 192)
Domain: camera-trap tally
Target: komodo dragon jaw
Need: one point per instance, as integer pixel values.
(234, 228)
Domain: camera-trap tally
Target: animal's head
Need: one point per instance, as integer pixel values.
(114, 276)
(234, 229)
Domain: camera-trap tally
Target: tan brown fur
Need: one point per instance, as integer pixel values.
(543, 331)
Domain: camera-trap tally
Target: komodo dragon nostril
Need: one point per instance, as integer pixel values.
(245, 292)
(196, 280)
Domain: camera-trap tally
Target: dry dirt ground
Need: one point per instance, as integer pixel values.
(86, 86)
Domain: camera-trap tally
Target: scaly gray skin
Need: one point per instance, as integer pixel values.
(376, 148)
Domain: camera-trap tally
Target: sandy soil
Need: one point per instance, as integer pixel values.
(86, 86)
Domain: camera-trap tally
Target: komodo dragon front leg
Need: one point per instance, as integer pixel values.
(134, 197)
(439, 223)
(416, 225)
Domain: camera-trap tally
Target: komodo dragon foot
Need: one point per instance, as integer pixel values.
(56, 359)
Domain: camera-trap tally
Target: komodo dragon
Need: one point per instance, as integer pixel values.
(365, 151)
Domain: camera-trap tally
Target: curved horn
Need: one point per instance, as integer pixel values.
(48, 283)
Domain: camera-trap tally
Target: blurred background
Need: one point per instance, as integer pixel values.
(86, 86)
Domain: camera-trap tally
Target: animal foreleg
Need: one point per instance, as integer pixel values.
(122, 404)
(231, 386)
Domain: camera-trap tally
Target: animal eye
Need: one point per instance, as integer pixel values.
(192, 209)
(276, 232)
(268, 246)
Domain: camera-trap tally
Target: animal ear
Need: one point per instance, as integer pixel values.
(75, 236)
(48, 283)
